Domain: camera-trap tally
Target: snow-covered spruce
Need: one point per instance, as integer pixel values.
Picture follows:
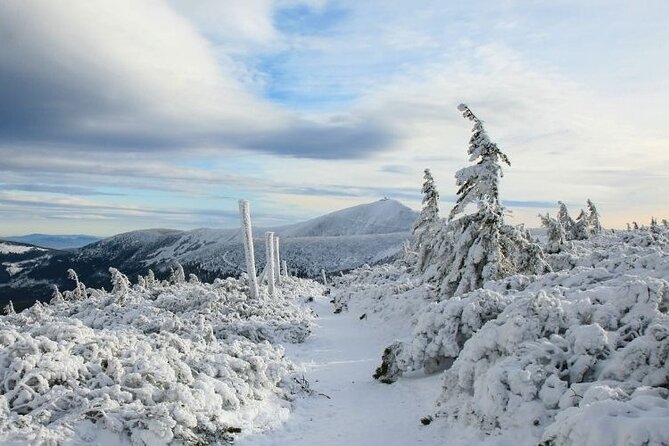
(472, 248)
(155, 363)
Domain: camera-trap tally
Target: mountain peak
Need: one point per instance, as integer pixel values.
(384, 216)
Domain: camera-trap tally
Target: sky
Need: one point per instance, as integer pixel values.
(129, 114)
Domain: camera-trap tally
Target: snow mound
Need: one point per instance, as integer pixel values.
(155, 363)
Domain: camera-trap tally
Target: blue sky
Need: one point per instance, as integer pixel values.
(133, 114)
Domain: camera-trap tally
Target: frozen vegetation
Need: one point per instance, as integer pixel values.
(576, 356)
(150, 364)
(566, 343)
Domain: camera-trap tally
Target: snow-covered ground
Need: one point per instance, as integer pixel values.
(152, 364)
(348, 407)
(576, 356)
(7, 248)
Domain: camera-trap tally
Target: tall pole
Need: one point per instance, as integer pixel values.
(245, 213)
(269, 248)
(277, 261)
(284, 266)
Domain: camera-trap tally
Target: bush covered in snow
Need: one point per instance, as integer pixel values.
(576, 356)
(156, 363)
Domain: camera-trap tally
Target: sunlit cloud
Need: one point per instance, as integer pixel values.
(304, 106)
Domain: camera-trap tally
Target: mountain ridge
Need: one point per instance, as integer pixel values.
(341, 240)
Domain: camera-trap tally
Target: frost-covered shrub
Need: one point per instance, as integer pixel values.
(386, 291)
(548, 353)
(543, 352)
(440, 331)
(187, 364)
(613, 417)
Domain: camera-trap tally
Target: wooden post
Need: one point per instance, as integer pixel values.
(270, 268)
(247, 233)
(277, 261)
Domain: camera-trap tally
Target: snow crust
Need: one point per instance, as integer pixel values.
(150, 364)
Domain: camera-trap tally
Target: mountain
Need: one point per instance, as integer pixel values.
(381, 217)
(55, 241)
(339, 241)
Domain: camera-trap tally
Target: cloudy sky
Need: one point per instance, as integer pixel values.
(127, 114)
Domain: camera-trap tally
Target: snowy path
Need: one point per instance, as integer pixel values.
(339, 359)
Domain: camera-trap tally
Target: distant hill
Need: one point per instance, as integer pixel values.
(369, 233)
(54, 241)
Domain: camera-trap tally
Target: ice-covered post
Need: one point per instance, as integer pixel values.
(284, 266)
(269, 248)
(325, 280)
(245, 213)
(277, 261)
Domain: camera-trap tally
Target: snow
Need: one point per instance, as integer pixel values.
(348, 406)
(576, 356)
(6, 248)
(539, 357)
(13, 268)
(149, 364)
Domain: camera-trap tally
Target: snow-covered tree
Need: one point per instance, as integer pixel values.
(177, 274)
(56, 296)
(580, 230)
(593, 218)
(426, 224)
(557, 238)
(79, 291)
(565, 219)
(478, 246)
(9, 308)
(120, 283)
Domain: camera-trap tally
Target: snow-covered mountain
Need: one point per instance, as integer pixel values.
(55, 241)
(381, 217)
(339, 241)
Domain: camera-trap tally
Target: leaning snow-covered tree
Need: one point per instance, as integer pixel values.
(477, 246)
(565, 219)
(580, 230)
(555, 234)
(427, 222)
(593, 218)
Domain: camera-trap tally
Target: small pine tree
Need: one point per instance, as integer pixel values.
(580, 230)
(629, 228)
(635, 225)
(9, 308)
(79, 291)
(177, 275)
(565, 219)
(120, 283)
(151, 279)
(665, 223)
(557, 238)
(426, 224)
(593, 218)
(56, 296)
